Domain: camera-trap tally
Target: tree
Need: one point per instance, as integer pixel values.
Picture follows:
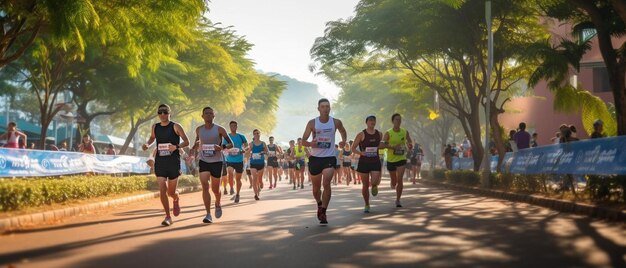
(444, 49)
(605, 19)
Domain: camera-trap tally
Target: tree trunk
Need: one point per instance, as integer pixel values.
(618, 86)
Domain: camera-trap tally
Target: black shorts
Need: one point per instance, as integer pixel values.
(170, 171)
(238, 167)
(337, 166)
(272, 162)
(291, 164)
(257, 166)
(392, 166)
(318, 164)
(346, 164)
(216, 169)
(368, 167)
(301, 163)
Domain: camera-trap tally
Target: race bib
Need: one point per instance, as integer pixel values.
(234, 151)
(271, 153)
(371, 151)
(323, 142)
(256, 156)
(208, 150)
(399, 151)
(164, 149)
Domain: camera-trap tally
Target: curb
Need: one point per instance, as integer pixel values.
(551, 203)
(64, 213)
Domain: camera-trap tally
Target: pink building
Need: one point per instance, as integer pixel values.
(538, 111)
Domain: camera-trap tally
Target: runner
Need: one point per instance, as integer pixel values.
(337, 166)
(396, 140)
(272, 162)
(352, 166)
(323, 159)
(347, 162)
(234, 158)
(209, 145)
(291, 161)
(355, 164)
(368, 142)
(12, 136)
(300, 152)
(258, 149)
(167, 160)
(416, 160)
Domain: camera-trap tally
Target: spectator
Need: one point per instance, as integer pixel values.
(598, 129)
(522, 138)
(63, 146)
(50, 146)
(566, 135)
(556, 138)
(32, 146)
(111, 149)
(511, 142)
(87, 145)
(572, 128)
(12, 136)
(533, 142)
(447, 155)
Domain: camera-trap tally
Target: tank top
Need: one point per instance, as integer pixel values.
(325, 136)
(346, 156)
(271, 152)
(369, 145)
(299, 152)
(165, 135)
(209, 138)
(396, 138)
(257, 157)
(12, 140)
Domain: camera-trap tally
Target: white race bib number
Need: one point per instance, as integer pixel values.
(164, 149)
(234, 151)
(371, 151)
(399, 151)
(323, 142)
(256, 156)
(208, 150)
(271, 153)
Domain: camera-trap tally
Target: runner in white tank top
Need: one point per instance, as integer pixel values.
(323, 158)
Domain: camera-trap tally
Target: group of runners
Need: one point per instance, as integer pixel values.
(223, 156)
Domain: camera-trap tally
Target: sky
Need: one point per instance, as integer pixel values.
(283, 32)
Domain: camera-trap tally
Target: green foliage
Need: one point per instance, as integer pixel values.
(439, 174)
(606, 188)
(425, 174)
(570, 99)
(465, 177)
(16, 194)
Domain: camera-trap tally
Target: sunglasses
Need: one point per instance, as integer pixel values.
(163, 112)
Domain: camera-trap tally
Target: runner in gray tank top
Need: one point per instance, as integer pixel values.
(209, 146)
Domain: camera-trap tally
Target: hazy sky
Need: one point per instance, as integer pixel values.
(283, 32)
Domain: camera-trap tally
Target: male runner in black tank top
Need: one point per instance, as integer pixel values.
(167, 160)
(368, 141)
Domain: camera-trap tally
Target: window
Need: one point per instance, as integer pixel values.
(601, 80)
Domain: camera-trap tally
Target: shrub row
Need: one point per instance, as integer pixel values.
(17, 194)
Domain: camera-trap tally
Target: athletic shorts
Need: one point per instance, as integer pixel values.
(346, 164)
(337, 166)
(224, 171)
(169, 171)
(238, 167)
(392, 166)
(257, 166)
(272, 162)
(301, 165)
(318, 164)
(214, 168)
(368, 167)
(291, 164)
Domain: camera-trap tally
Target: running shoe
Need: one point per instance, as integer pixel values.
(319, 213)
(366, 209)
(375, 190)
(236, 198)
(176, 208)
(225, 192)
(207, 219)
(218, 212)
(294, 187)
(323, 219)
(232, 192)
(398, 205)
(256, 197)
(167, 221)
(301, 186)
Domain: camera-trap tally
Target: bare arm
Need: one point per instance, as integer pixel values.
(307, 133)
(20, 134)
(386, 140)
(357, 140)
(181, 132)
(150, 140)
(342, 132)
(224, 135)
(409, 141)
(196, 142)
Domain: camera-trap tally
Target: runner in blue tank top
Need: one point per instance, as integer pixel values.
(258, 150)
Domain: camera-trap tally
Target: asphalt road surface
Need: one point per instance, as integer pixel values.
(435, 228)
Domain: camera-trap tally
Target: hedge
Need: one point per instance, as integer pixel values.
(16, 194)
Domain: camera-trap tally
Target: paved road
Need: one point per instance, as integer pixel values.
(436, 228)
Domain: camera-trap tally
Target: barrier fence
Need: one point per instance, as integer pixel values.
(36, 163)
(606, 156)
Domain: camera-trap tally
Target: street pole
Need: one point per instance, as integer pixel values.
(487, 155)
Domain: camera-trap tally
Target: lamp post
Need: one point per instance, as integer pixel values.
(487, 156)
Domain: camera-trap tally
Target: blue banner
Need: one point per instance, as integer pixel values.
(605, 156)
(31, 163)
